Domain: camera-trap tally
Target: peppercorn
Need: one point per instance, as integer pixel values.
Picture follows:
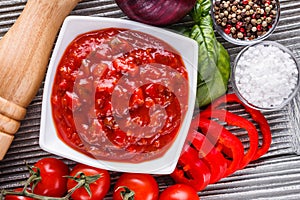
(226, 5)
(234, 8)
(227, 30)
(216, 8)
(249, 27)
(247, 20)
(269, 20)
(217, 3)
(253, 21)
(258, 21)
(235, 2)
(257, 10)
(239, 25)
(259, 27)
(245, 2)
(259, 33)
(264, 24)
(233, 30)
(252, 37)
(240, 35)
(233, 20)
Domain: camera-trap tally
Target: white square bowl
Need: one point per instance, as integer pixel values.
(76, 25)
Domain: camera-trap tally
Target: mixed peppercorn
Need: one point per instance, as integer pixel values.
(245, 19)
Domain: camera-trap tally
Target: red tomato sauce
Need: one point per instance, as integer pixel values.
(119, 95)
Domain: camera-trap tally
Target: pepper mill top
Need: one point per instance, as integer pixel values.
(24, 55)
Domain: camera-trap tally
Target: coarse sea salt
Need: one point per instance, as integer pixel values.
(265, 75)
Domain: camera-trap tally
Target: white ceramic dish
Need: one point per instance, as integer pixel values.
(76, 25)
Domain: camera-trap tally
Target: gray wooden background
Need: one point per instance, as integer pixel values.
(275, 176)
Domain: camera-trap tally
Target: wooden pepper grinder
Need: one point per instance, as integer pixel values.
(24, 56)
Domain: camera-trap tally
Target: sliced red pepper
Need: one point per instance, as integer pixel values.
(227, 142)
(213, 159)
(238, 121)
(256, 115)
(191, 170)
(260, 119)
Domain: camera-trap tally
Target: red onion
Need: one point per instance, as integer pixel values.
(156, 12)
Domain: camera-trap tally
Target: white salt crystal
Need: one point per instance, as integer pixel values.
(266, 76)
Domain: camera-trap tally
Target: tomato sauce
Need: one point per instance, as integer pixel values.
(119, 95)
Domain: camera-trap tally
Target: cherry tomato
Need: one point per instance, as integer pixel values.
(16, 197)
(179, 192)
(53, 182)
(137, 186)
(98, 188)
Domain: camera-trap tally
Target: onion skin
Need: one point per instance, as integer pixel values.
(156, 12)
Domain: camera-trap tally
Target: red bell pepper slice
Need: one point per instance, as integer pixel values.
(228, 143)
(256, 115)
(213, 159)
(191, 170)
(238, 121)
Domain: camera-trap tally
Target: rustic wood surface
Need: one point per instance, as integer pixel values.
(275, 176)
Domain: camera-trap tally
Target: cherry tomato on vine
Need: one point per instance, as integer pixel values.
(16, 197)
(99, 186)
(136, 186)
(52, 172)
(179, 192)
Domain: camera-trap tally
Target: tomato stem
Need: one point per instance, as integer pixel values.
(25, 193)
(81, 178)
(79, 185)
(126, 193)
(83, 181)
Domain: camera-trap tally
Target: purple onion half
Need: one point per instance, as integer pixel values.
(156, 12)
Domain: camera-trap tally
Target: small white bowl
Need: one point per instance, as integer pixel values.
(270, 83)
(76, 25)
(243, 42)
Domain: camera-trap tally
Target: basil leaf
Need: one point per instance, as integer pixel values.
(201, 9)
(213, 61)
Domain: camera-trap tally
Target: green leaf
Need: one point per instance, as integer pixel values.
(213, 59)
(201, 9)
